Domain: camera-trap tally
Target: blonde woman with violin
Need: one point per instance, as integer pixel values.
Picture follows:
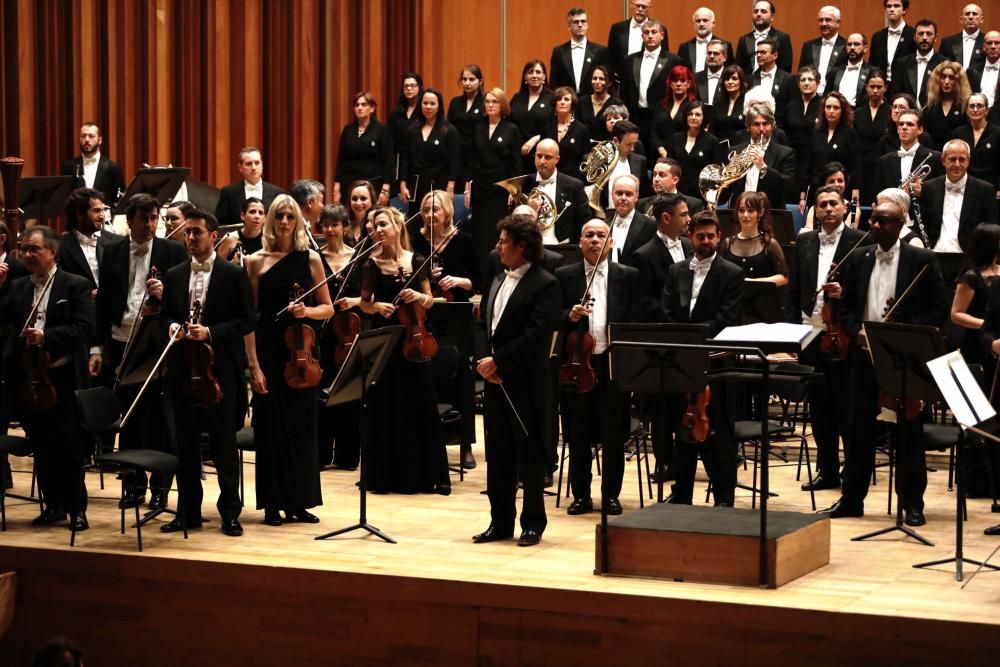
(405, 449)
(284, 418)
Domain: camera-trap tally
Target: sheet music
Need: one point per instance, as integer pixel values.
(775, 332)
(963, 394)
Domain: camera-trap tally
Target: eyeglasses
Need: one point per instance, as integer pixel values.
(976, 105)
(30, 249)
(762, 52)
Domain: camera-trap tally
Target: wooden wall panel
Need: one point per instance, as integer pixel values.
(453, 34)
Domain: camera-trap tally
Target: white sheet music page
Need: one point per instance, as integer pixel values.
(776, 332)
(960, 390)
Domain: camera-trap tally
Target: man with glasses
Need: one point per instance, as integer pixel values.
(773, 170)
(573, 62)
(625, 37)
(983, 77)
(694, 52)
(956, 203)
(763, 28)
(710, 78)
(251, 167)
(780, 84)
(850, 80)
(828, 52)
(895, 40)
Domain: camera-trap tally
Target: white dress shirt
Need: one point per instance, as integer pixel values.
(954, 194)
(619, 232)
(647, 68)
(849, 82)
(922, 62)
(88, 244)
(578, 53)
(90, 168)
(713, 84)
(42, 298)
(506, 288)
(548, 186)
(892, 42)
(825, 53)
(254, 190)
(700, 46)
(968, 48)
(906, 156)
(700, 267)
(882, 284)
(758, 37)
(989, 81)
(598, 319)
(827, 249)
(674, 246)
(634, 36)
(138, 273)
(754, 175)
(201, 275)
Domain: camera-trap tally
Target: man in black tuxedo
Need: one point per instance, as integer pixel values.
(551, 260)
(966, 47)
(983, 77)
(601, 414)
(630, 229)
(892, 168)
(956, 203)
(625, 135)
(512, 339)
(232, 196)
(63, 327)
(124, 280)
(218, 292)
(710, 78)
(912, 71)
(693, 53)
(667, 174)
(763, 28)
(82, 247)
(625, 37)
(565, 191)
(816, 255)
(869, 281)
(644, 77)
(782, 85)
(827, 52)
(92, 168)
(851, 78)
(773, 170)
(573, 63)
(895, 40)
(706, 290)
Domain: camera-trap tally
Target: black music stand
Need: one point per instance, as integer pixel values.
(160, 182)
(963, 394)
(570, 253)
(44, 197)
(900, 353)
(761, 303)
(364, 365)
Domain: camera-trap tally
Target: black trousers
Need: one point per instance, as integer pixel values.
(718, 452)
(192, 421)
(600, 415)
(828, 408)
(512, 456)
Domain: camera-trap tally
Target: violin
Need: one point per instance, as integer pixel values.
(576, 374)
(200, 384)
(436, 290)
(696, 416)
(36, 392)
(302, 369)
(346, 326)
(836, 341)
(419, 344)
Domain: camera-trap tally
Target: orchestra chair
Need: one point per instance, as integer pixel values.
(798, 219)
(17, 446)
(444, 367)
(101, 415)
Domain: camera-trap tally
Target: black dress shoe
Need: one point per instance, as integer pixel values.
(821, 483)
(272, 518)
(842, 509)
(614, 507)
(992, 530)
(723, 503)
(80, 523)
(662, 475)
(492, 534)
(158, 501)
(48, 516)
(914, 518)
(580, 506)
(131, 500)
(301, 516)
(232, 527)
(176, 527)
(443, 489)
(468, 460)
(529, 538)
(548, 480)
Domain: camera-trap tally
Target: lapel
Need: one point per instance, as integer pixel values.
(965, 220)
(904, 273)
(708, 288)
(636, 66)
(692, 52)
(911, 74)
(567, 56)
(810, 268)
(72, 247)
(518, 295)
(816, 46)
(685, 280)
(497, 279)
(865, 266)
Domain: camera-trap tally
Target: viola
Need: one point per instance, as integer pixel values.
(36, 391)
(419, 344)
(836, 340)
(302, 369)
(200, 384)
(346, 326)
(576, 374)
(696, 416)
(151, 306)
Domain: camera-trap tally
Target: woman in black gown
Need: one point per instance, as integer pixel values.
(530, 109)
(694, 149)
(727, 115)
(948, 91)
(454, 274)
(432, 158)
(983, 139)
(235, 246)
(668, 118)
(572, 136)
(465, 111)
(590, 109)
(834, 140)
(870, 118)
(284, 419)
(366, 151)
(980, 274)
(361, 199)
(799, 123)
(753, 248)
(405, 448)
(497, 156)
(406, 113)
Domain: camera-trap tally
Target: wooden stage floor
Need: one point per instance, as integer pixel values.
(873, 578)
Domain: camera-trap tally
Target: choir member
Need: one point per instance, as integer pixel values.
(835, 140)
(231, 198)
(763, 28)
(893, 41)
(779, 84)
(644, 77)
(572, 136)
(590, 108)
(727, 111)
(531, 108)
(947, 94)
(432, 156)
(871, 117)
(573, 62)
(694, 52)
(828, 52)
(911, 72)
(799, 123)
(465, 112)
(966, 47)
(983, 138)
(753, 248)
(954, 204)
(669, 117)
(694, 149)
(366, 150)
(405, 113)
(851, 78)
(625, 37)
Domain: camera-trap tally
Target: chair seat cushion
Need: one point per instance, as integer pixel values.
(750, 430)
(140, 459)
(15, 445)
(940, 436)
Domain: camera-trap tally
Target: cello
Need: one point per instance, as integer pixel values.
(200, 384)
(302, 370)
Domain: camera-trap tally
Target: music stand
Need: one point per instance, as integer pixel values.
(160, 182)
(364, 365)
(652, 370)
(570, 253)
(761, 303)
(972, 411)
(899, 354)
(44, 197)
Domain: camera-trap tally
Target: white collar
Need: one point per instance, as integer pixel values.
(96, 157)
(519, 272)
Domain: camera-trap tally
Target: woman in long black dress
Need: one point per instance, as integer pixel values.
(406, 451)
(668, 118)
(455, 274)
(694, 149)
(284, 419)
(361, 199)
(572, 136)
(590, 109)
(530, 109)
(753, 247)
(983, 138)
(948, 91)
(981, 272)
(366, 151)
(834, 140)
(465, 111)
(433, 153)
(406, 113)
(497, 151)
(870, 118)
(799, 123)
(235, 246)
(727, 115)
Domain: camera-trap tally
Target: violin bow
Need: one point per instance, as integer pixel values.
(425, 263)
(593, 274)
(156, 366)
(33, 313)
(902, 297)
(325, 281)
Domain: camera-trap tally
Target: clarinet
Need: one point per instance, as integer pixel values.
(918, 220)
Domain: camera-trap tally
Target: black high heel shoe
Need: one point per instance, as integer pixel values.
(302, 516)
(272, 517)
